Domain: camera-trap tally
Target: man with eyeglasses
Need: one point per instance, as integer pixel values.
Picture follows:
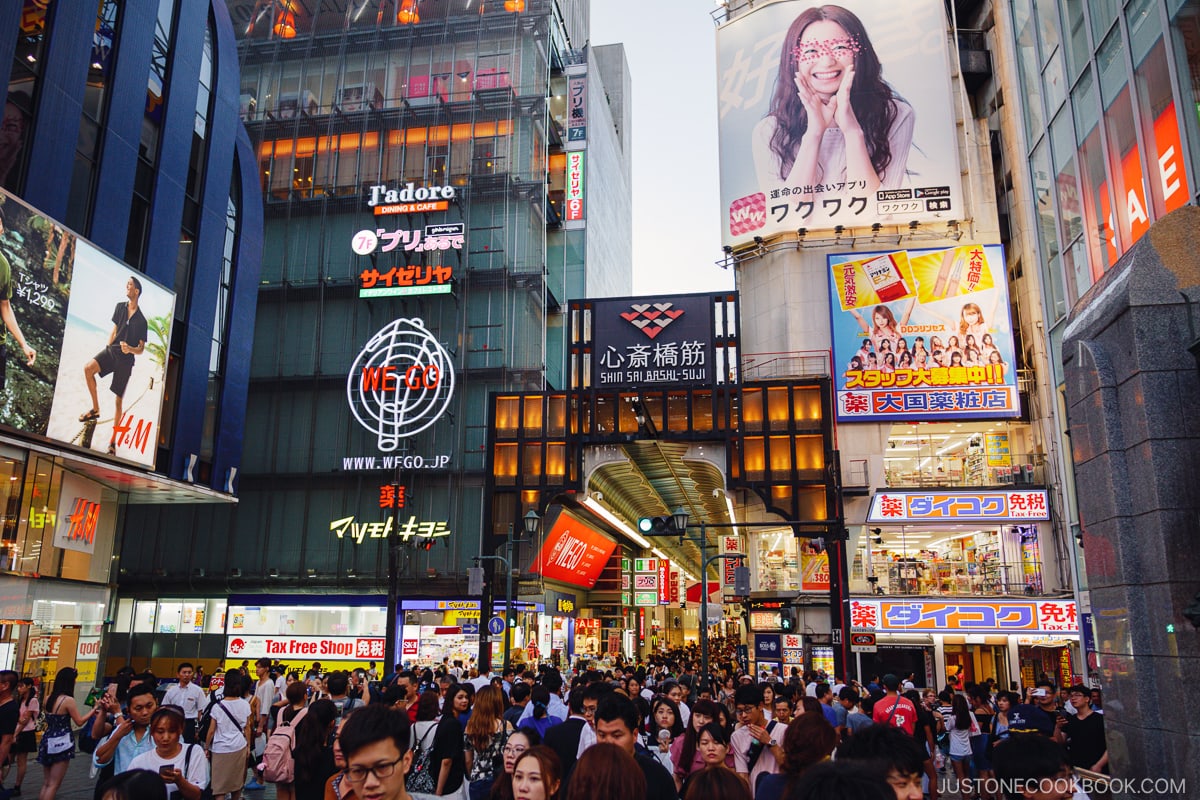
(374, 743)
(757, 744)
(574, 735)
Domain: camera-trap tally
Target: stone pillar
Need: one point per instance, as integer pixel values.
(1133, 411)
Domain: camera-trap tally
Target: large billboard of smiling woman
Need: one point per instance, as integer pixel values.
(836, 114)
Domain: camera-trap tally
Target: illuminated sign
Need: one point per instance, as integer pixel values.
(391, 496)
(410, 199)
(78, 514)
(645, 598)
(574, 185)
(1000, 616)
(43, 647)
(69, 304)
(561, 604)
(576, 108)
(645, 565)
(346, 647)
(573, 553)
(347, 528)
(664, 582)
(445, 236)
(401, 383)
(363, 463)
(653, 340)
(406, 281)
(730, 544)
(997, 506)
(923, 334)
(771, 183)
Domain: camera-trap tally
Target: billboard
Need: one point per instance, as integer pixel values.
(573, 553)
(86, 340)
(642, 342)
(923, 335)
(952, 506)
(835, 115)
(965, 616)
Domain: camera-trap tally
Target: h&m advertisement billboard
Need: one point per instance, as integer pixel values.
(835, 115)
(85, 340)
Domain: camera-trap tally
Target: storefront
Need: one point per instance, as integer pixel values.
(961, 641)
(437, 631)
(57, 532)
(556, 627)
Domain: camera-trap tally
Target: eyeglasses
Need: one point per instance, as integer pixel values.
(385, 769)
(741, 712)
(514, 749)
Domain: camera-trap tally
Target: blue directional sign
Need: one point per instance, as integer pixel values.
(496, 626)
(470, 628)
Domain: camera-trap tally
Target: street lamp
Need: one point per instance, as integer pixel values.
(531, 523)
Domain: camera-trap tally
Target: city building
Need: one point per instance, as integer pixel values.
(1102, 153)
(130, 254)
(887, 260)
(439, 179)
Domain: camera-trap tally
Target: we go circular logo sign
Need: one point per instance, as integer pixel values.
(401, 383)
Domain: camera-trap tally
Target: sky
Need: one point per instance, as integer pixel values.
(671, 49)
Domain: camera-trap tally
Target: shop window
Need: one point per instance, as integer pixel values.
(1132, 212)
(1160, 131)
(774, 561)
(144, 614)
(214, 619)
(124, 620)
(170, 617)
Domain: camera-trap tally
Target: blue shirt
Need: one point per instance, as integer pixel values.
(830, 714)
(127, 750)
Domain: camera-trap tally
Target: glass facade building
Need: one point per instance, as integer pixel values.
(122, 156)
(358, 112)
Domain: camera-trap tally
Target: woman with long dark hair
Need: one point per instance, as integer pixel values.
(832, 118)
(541, 720)
(57, 747)
(664, 727)
(809, 740)
(26, 738)
(606, 772)
(518, 742)
(313, 751)
(685, 752)
(537, 775)
(960, 724)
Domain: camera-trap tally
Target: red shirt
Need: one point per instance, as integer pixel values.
(905, 717)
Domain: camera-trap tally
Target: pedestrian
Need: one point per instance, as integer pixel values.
(713, 748)
(138, 784)
(130, 736)
(520, 741)
(374, 742)
(1030, 765)
(537, 775)
(606, 771)
(57, 747)
(294, 709)
(461, 696)
(757, 744)
(26, 738)
(230, 734)
(440, 738)
(685, 751)
(1081, 732)
(890, 752)
(188, 696)
(808, 741)
(617, 723)
(261, 705)
(838, 781)
(664, 727)
(717, 782)
(539, 718)
(313, 750)
(484, 739)
(183, 768)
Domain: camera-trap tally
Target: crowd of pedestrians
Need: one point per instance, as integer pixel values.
(658, 731)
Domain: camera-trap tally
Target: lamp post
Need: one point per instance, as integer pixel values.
(531, 522)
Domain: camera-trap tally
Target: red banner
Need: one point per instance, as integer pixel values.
(573, 553)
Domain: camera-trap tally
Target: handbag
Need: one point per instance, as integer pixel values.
(57, 744)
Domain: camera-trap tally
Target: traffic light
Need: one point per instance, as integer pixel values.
(741, 581)
(657, 526)
(787, 620)
(425, 543)
(475, 581)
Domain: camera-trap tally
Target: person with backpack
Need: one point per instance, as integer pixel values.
(438, 762)
(278, 766)
(230, 731)
(312, 753)
(338, 684)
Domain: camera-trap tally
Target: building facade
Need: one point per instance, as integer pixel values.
(890, 264)
(453, 167)
(132, 219)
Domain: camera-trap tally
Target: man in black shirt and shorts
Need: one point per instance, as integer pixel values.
(126, 341)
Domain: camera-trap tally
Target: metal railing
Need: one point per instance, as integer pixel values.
(789, 364)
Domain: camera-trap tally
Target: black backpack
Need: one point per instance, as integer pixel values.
(205, 721)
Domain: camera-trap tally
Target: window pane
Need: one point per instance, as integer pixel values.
(1111, 62)
(1047, 25)
(1062, 142)
(1027, 61)
(1077, 41)
(1096, 203)
(1040, 164)
(1104, 14)
(1055, 82)
(1160, 131)
(1125, 164)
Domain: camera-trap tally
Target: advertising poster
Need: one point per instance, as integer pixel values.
(835, 115)
(814, 568)
(118, 332)
(59, 299)
(922, 334)
(78, 513)
(573, 553)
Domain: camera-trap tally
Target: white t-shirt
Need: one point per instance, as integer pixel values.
(196, 771)
(190, 698)
(230, 735)
(741, 742)
(265, 692)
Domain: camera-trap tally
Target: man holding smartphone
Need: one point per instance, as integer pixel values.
(131, 736)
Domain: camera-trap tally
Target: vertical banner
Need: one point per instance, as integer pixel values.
(577, 108)
(784, 167)
(730, 544)
(923, 335)
(814, 567)
(664, 582)
(575, 170)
